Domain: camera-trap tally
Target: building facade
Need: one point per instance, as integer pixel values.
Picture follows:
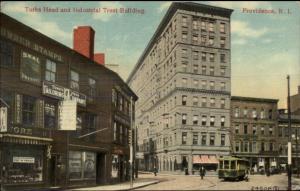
(37, 75)
(183, 83)
(254, 131)
(295, 102)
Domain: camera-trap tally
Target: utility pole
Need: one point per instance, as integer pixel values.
(289, 142)
(131, 142)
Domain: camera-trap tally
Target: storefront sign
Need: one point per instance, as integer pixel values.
(18, 108)
(23, 160)
(29, 44)
(3, 119)
(59, 92)
(67, 115)
(139, 155)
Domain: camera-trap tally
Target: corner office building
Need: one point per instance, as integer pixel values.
(37, 74)
(183, 83)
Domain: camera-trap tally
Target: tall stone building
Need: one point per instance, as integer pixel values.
(182, 80)
(254, 131)
(295, 102)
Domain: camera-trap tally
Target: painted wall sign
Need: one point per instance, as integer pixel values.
(3, 119)
(67, 115)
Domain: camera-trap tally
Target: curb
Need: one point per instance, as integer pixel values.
(155, 182)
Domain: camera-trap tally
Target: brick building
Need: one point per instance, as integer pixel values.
(37, 74)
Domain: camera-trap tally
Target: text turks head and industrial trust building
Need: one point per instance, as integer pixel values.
(37, 75)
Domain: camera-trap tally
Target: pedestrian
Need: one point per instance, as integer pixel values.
(202, 172)
(155, 171)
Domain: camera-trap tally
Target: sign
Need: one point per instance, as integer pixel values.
(139, 155)
(59, 92)
(3, 119)
(23, 160)
(67, 115)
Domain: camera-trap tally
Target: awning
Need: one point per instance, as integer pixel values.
(22, 139)
(205, 159)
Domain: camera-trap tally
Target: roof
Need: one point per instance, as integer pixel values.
(188, 6)
(284, 118)
(114, 74)
(253, 99)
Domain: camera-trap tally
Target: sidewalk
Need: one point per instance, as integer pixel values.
(139, 183)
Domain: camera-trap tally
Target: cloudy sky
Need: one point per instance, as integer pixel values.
(265, 47)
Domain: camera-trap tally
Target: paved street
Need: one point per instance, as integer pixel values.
(256, 182)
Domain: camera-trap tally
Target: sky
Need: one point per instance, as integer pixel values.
(265, 48)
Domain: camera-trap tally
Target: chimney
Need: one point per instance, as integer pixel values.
(83, 41)
(99, 58)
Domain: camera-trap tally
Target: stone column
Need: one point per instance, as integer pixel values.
(190, 163)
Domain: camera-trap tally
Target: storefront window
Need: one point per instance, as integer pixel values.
(82, 165)
(23, 164)
(50, 113)
(28, 110)
(115, 166)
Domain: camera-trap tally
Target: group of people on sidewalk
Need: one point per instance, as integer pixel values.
(202, 171)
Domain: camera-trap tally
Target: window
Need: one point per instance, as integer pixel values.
(211, 27)
(246, 147)
(195, 101)
(92, 87)
(250, 147)
(115, 131)
(222, 103)
(223, 86)
(195, 39)
(203, 40)
(203, 139)
(279, 131)
(222, 121)
(195, 68)
(82, 165)
(195, 120)
(184, 36)
(195, 138)
(203, 84)
(222, 42)
(222, 27)
(90, 121)
(74, 80)
(270, 114)
(195, 25)
(237, 146)
(211, 41)
(245, 112)
(184, 138)
(254, 114)
(222, 71)
(6, 54)
(184, 119)
(212, 85)
(184, 66)
(237, 129)
(222, 58)
(203, 25)
(262, 114)
(211, 57)
(50, 71)
(120, 101)
(30, 68)
(203, 120)
(195, 55)
(212, 70)
(245, 129)
(271, 146)
(222, 139)
(271, 130)
(28, 112)
(262, 146)
(254, 130)
(184, 21)
(212, 102)
(236, 112)
(121, 134)
(212, 140)
(203, 56)
(254, 147)
(262, 130)
(212, 121)
(50, 116)
(184, 97)
(203, 102)
(184, 82)
(196, 83)
(204, 70)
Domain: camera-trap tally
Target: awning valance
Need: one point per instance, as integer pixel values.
(205, 159)
(22, 139)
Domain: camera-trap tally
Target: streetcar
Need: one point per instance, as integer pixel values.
(232, 168)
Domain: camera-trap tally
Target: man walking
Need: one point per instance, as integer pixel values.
(202, 172)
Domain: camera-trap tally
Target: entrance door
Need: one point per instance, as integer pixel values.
(52, 170)
(100, 169)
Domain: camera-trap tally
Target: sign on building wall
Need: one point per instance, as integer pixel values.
(23, 160)
(3, 119)
(67, 115)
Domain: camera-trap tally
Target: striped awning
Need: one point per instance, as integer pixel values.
(205, 159)
(22, 139)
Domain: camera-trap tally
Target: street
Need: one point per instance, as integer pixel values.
(181, 182)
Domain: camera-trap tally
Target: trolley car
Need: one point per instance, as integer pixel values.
(232, 168)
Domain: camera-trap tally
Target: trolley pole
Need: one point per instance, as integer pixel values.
(289, 142)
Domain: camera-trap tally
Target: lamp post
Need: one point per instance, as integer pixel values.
(289, 141)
